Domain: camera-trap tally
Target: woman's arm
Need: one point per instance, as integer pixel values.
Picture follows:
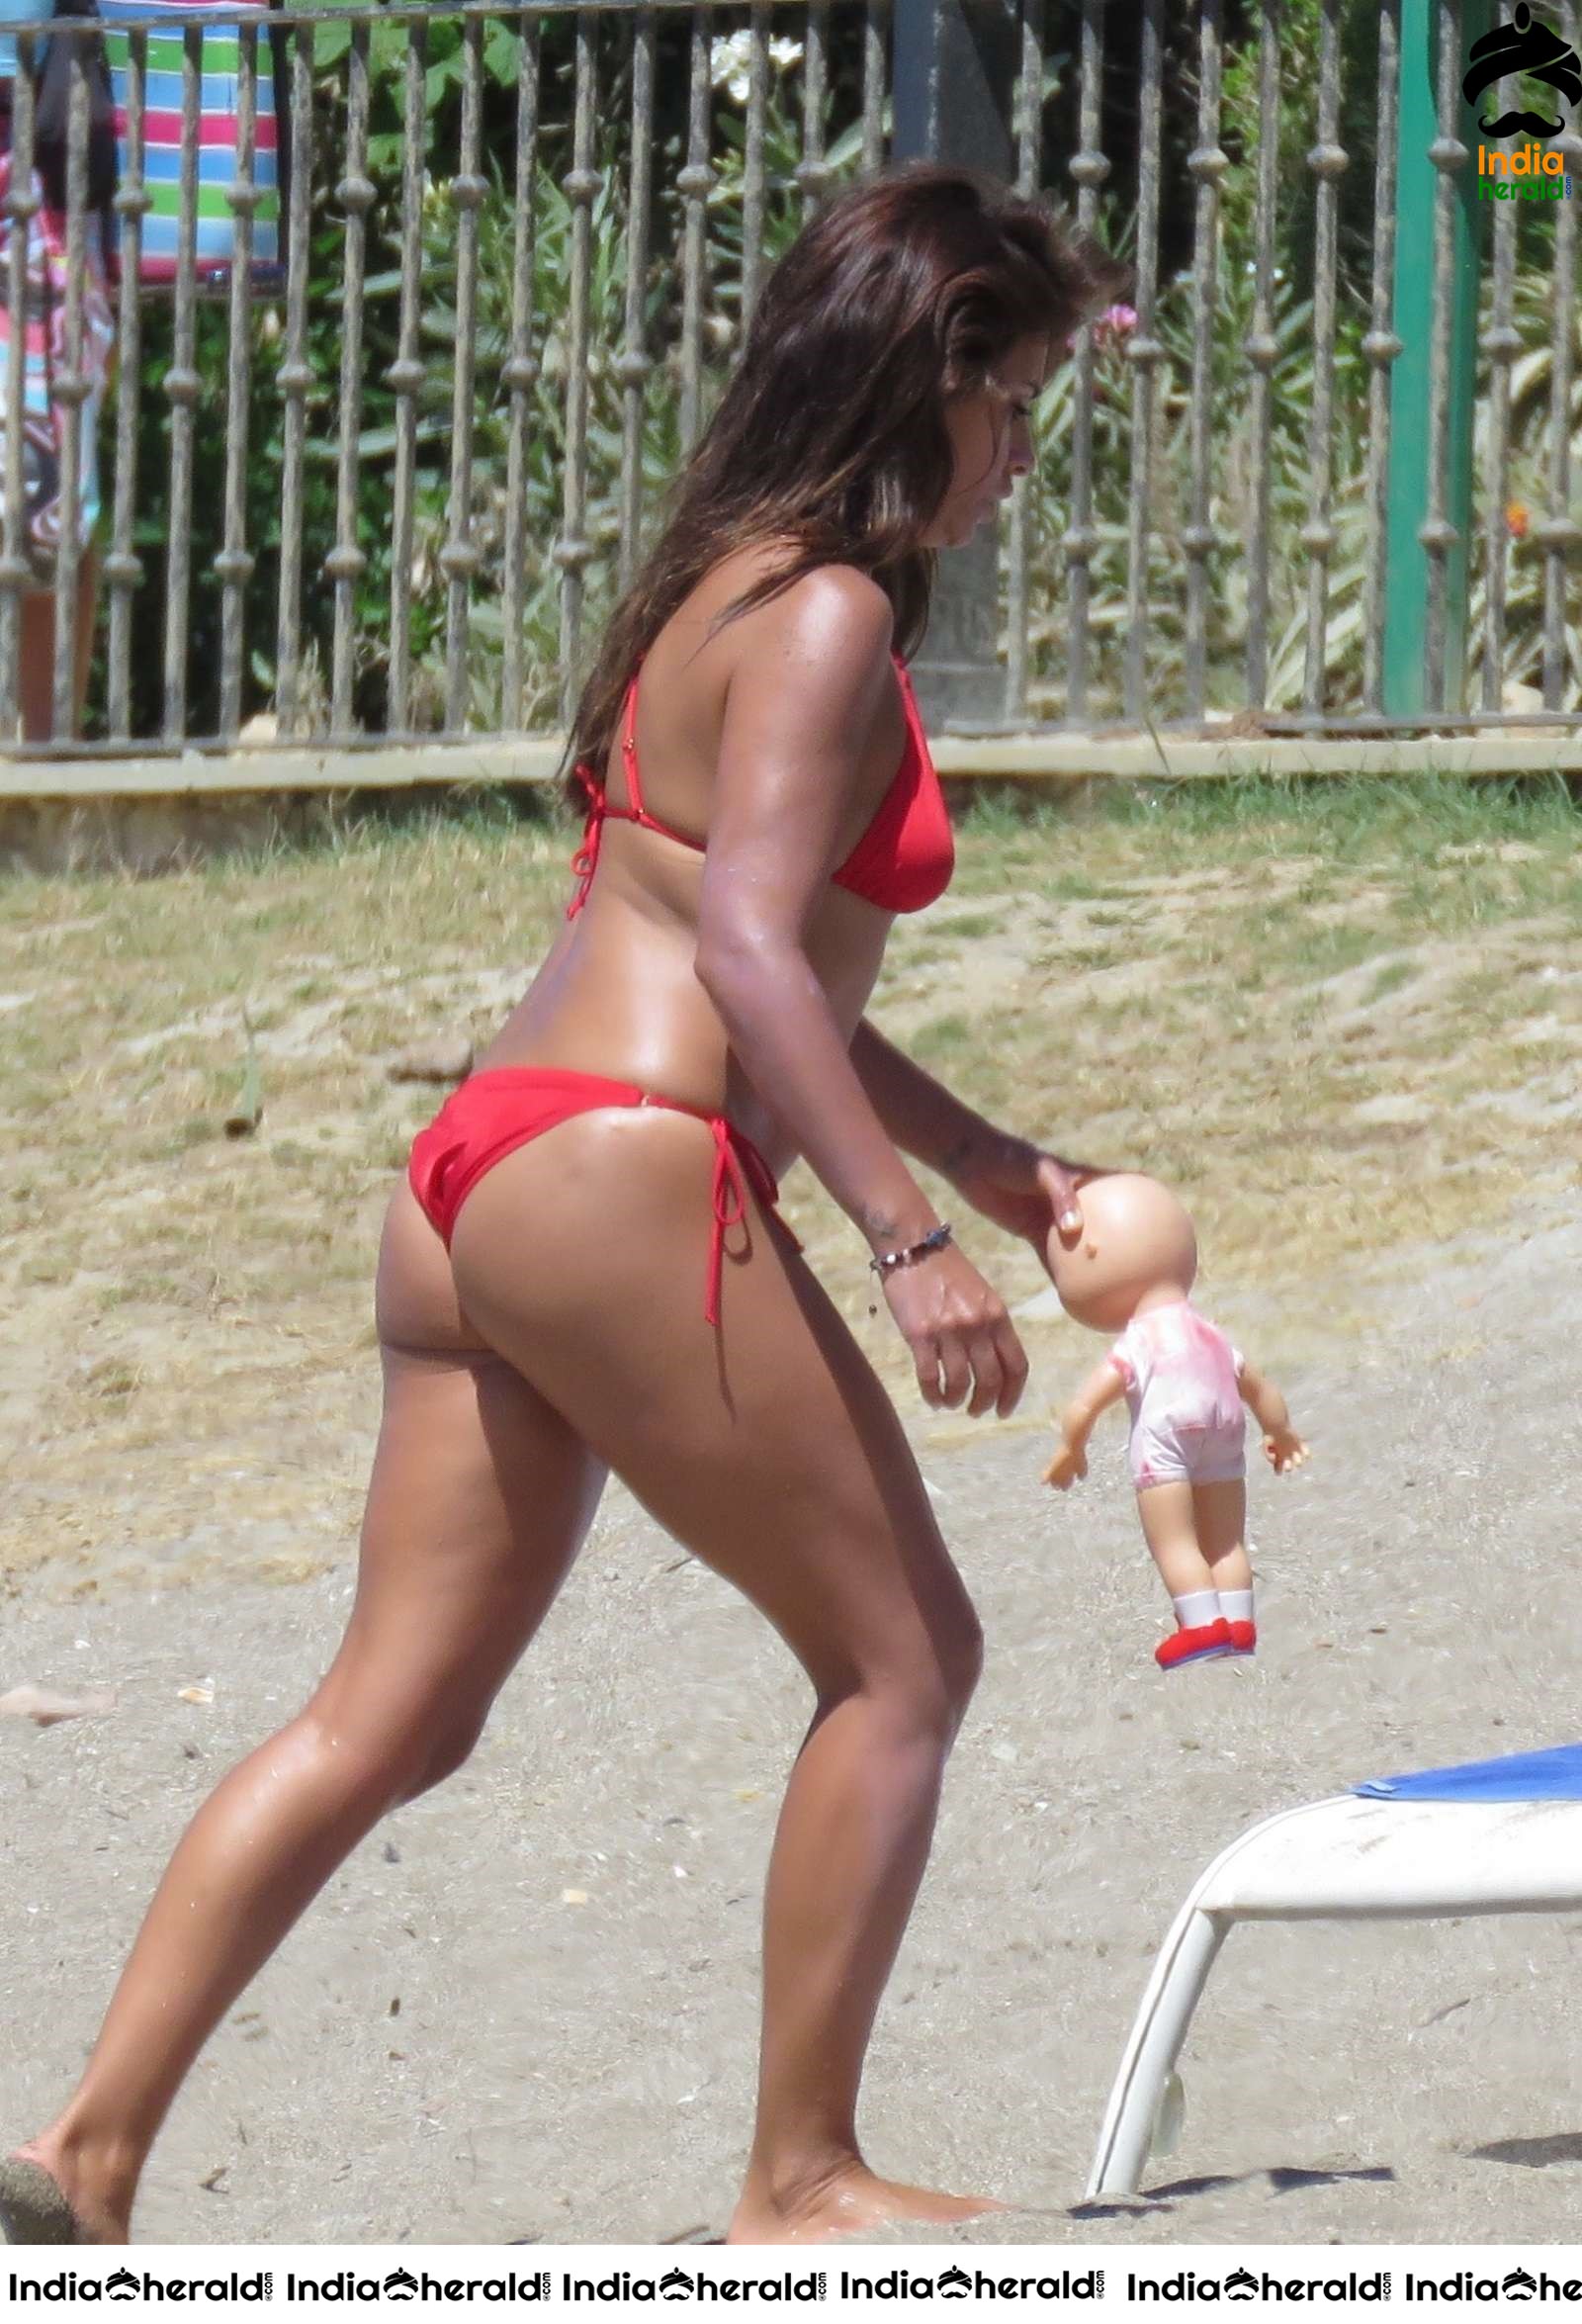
(1021, 1186)
(925, 1119)
(801, 704)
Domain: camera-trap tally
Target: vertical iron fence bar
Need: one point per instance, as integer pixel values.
(1262, 349)
(460, 558)
(405, 379)
(694, 184)
(69, 388)
(1327, 160)
(1558, 533)
(1029, 131)
(1144, 351)
(295, 379)
(580, 186)
(347, 562)
(182, 389)
(520, 375)
(953, 72)
(1444, 533)
(874, 71)
(234, 564)
(1206, 165)
(813, 171)
(634, 363)
(16, 571)
(1502, 343)
(122, 566)
(1436, 281)
(1089, 168)
(1380, 349)
(752, 171)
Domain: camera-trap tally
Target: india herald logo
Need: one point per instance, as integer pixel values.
(1528, 46)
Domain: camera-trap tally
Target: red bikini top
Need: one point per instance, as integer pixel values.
(903, 860)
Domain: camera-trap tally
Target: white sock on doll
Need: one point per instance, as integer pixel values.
(1196, 1608)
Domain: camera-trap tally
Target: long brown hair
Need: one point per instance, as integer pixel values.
(831, 435)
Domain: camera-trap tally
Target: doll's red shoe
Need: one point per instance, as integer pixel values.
(1203, 1642)
(1243, 1637)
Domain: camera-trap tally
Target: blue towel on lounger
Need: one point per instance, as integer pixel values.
(1524, 1776)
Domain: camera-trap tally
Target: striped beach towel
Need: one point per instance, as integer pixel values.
(44, 334)
(215, 134)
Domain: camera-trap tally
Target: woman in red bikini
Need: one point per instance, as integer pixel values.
(584, 1269)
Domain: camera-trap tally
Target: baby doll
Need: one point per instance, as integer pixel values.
(1131, 1271)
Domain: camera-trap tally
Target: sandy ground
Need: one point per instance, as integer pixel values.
(452, 2049)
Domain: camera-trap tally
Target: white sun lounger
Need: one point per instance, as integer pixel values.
(1348, 1858)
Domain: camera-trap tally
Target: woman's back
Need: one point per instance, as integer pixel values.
(619, 994)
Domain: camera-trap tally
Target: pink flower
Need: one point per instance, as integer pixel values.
(1115, 323)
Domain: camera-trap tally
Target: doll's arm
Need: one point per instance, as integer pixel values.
(1284, 1447)
(1102, 1387)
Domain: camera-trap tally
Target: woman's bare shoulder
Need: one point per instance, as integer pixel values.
(832, 628)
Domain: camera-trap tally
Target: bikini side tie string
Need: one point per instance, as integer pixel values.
(730, 1200)
(587, 859)
(729, 1204)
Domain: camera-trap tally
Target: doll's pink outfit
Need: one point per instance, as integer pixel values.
(1183, 1380)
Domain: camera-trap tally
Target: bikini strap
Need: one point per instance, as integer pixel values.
(599, 810)
(587, 859)
(737, 1164)
(633, 788)
(585, 862)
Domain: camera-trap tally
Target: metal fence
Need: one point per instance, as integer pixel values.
(1319, 467)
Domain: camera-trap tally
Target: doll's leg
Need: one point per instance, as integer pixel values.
(1169, 1528)
(1221, 1513)
(1220, 1523)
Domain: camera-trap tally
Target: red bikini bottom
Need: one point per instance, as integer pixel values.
(489, 1116)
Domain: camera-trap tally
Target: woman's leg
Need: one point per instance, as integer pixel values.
(480, 1498)
(773, 1451)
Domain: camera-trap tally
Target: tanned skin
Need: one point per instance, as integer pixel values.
(562, 1336)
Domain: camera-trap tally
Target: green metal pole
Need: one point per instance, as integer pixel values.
(1412, 682)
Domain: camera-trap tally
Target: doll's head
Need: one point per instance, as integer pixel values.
(1135, 1239)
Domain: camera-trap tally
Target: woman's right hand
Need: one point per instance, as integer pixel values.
(962, 1339)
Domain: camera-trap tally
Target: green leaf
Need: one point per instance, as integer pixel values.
(502, 54)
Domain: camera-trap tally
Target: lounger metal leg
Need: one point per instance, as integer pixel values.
(1157, 2031)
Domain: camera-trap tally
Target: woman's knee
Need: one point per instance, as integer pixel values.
(959, 1664)
(442, 1759)
(920, 1693)
(384, 1758)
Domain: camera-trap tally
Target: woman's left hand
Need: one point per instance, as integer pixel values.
(1026, 1191)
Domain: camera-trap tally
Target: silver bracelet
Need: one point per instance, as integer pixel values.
(888, 1261)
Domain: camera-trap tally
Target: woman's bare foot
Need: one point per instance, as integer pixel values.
(845, 2201)
(46, 2197)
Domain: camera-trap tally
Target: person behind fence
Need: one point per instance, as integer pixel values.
(45, 327)
(584, 1267)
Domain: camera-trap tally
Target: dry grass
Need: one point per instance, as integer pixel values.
(1342, 1021)
(1337, 1025)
